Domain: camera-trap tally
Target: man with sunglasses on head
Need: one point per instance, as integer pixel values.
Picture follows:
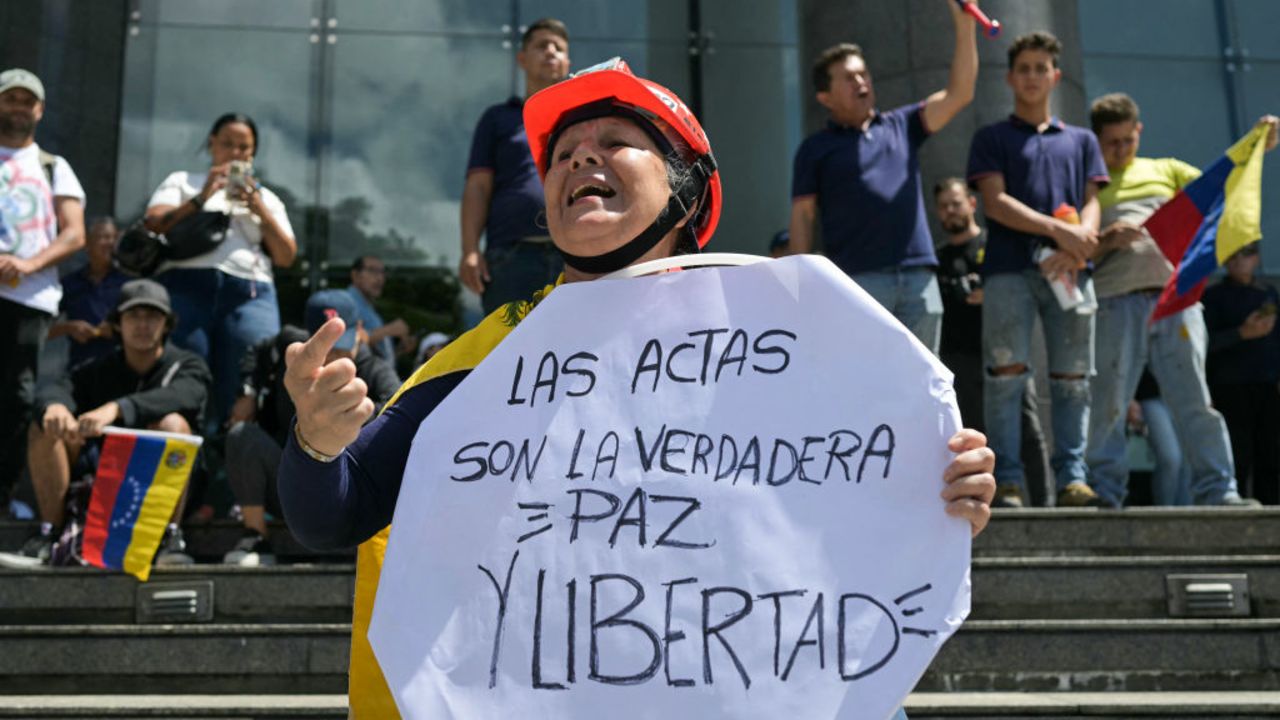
(1129, 273)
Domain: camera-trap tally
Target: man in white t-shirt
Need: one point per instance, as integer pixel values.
(41, 224)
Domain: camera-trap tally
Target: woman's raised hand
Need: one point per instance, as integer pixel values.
(332, 403)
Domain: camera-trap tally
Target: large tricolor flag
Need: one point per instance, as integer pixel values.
(141, 475)
(1209, 220)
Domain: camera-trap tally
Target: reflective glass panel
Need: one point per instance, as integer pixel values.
(1167, 28)
(752, 113)
(402, 110)
(1196, 132)
(421, 16)
(231, 13)
(1257, 24)
(173, 93)
(1261, 96)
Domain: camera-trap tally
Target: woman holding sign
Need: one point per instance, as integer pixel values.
(629, 177)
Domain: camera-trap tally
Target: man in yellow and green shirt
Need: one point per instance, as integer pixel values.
(1130, 272)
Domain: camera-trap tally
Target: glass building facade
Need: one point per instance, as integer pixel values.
(365, 108)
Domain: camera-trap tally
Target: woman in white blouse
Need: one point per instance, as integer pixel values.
(225, 299)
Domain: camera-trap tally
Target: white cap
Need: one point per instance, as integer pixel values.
(19, 78)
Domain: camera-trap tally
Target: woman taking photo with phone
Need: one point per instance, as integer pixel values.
(224, 297)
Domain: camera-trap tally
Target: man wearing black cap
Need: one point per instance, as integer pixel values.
(143, 384)
(41, 224)
(261, 418)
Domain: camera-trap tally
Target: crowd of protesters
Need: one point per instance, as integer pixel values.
(200, 348)
(1064, 245)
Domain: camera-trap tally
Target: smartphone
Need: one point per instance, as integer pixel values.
(238, 173)
(1267, 309)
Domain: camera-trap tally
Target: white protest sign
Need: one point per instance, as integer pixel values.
(711, 493)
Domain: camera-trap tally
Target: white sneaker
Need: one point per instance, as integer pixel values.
(252, 550)
(34, 553)
(173, 550)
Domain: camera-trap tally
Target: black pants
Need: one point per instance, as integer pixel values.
(22, 330)
(1252, 412)
(1035, 455)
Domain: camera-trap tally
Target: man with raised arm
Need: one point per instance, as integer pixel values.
(860, 177)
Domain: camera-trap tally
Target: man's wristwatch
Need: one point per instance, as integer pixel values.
(311, 452)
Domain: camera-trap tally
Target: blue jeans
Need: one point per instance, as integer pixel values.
(911, 295)
(1011, 303)
(518, 270)
(1174, 349)
(220, 317)
(1171, 481)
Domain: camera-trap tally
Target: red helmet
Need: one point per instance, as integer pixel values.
(613, 81)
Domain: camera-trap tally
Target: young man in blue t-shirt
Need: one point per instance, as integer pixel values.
(1039, 180)
(503, 195)
(860, 177)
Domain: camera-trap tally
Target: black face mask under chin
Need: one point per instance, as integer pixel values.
(636, 248)
(682, 199)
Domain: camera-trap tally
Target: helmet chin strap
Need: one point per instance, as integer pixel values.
(683, 199)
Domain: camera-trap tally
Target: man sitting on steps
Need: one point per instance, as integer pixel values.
(145, 383)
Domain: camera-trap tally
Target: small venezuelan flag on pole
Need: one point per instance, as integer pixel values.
(1209, 220)
(141, 476)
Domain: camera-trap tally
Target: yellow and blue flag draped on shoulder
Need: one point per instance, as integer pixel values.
(1209, 220)
(141, 475)
(370, 698)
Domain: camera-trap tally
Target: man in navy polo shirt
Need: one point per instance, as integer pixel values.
(88, 297)
(1039, 179)
(503, 195)
(860, 176)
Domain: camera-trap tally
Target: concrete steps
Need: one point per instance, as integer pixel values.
(240, 707)
(1095, 705)
(1070, 619)
(267, 658)
(1069, 588)
(921, 706)
(990, 655)
(1133, 531)
(309, 592)
(1109, 655)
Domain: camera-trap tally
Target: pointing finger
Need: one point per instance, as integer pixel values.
(309, 357)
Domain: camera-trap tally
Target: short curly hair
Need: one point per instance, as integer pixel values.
(1038, 40)
(1112, 108)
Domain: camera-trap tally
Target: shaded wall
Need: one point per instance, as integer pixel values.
(76, 47)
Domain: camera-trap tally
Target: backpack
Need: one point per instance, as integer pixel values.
(47, 161)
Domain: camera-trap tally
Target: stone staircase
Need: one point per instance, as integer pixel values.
(1070, 619)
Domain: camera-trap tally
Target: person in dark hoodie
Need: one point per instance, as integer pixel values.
(146, 383)
(1244, 371)
(260, 418)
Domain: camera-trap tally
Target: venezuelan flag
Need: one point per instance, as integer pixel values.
(1209, 220)
(141, 475)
